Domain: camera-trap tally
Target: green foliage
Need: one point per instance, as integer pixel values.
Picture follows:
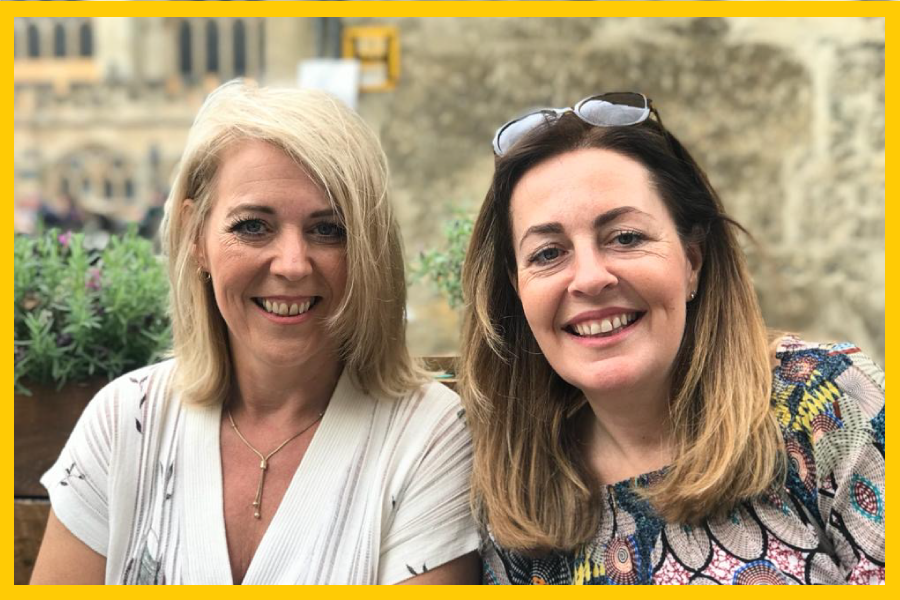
(443, 268)
(80, 312)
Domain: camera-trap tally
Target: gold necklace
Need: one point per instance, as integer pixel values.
(264, 460)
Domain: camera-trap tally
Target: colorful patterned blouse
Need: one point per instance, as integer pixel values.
(825, 526)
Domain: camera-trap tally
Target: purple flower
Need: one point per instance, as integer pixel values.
(93, 279)
(65, 238)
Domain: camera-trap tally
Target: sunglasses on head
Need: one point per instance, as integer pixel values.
(617, 109)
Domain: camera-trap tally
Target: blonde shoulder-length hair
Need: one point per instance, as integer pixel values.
(342, 154)
(531, 486)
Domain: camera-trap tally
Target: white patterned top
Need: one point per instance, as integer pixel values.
(381, 494)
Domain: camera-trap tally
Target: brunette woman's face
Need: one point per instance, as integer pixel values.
(602, 273)
(276, 253)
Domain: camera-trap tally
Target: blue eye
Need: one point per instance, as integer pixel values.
(249, 227)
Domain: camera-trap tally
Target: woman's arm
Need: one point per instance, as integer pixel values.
(64, 559)
(465, 570)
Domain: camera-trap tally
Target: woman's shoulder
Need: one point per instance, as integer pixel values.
(437, 394)
(141, 381)
(820, 366)
(423, 415)
(428, 400)
(135, 390)
(820, 387)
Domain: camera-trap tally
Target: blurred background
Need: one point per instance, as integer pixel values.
(785, 114)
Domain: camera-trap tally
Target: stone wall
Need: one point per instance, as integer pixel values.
(786, 115)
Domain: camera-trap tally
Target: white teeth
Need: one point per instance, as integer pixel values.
(284, 310)
(603, 326)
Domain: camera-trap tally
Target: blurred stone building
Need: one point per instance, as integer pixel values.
(786, 115)
(103, 105)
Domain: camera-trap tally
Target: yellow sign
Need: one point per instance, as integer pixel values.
(377, 48)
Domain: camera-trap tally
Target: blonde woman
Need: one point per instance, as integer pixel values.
(291, 439)
(631, 421)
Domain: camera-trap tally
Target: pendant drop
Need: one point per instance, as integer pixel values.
(264, 460)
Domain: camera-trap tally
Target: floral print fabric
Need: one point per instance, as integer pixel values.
(826, 525)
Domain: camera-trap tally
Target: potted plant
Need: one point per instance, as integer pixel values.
(442, 268)
(82, 316)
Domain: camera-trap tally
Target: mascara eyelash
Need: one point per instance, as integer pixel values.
(239, 221)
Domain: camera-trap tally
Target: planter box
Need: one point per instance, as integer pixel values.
(43, 422)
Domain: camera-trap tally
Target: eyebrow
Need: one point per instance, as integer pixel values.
(600, 221)
(262, 208)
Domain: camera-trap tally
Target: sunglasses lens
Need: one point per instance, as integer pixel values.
(513, 131)
(611, 110)
(624, 99)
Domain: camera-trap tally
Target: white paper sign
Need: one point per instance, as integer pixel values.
(337, 76)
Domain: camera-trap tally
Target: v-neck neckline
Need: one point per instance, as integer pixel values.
(295, 518)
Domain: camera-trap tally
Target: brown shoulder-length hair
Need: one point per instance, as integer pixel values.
(342, 154)
(530, 485)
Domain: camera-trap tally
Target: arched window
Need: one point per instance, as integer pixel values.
(59, 41)
(239, 39)
(212, 47)
(33, 40)
(184, 48)
(107, 188)
(85, 40)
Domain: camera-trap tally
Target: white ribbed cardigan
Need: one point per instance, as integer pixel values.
(381, 494)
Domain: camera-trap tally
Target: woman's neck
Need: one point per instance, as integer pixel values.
(286, 396)
(629, 435)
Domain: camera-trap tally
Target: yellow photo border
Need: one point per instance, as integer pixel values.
(440, 9)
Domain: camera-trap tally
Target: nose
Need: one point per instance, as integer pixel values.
(590, 273)
(292, 260)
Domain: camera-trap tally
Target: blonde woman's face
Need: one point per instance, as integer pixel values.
(277, 257)
(602, 274)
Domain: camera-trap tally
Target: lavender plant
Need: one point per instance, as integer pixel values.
(80, 313)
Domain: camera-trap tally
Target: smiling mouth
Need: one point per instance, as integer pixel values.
(599, 328)
(284, 309)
